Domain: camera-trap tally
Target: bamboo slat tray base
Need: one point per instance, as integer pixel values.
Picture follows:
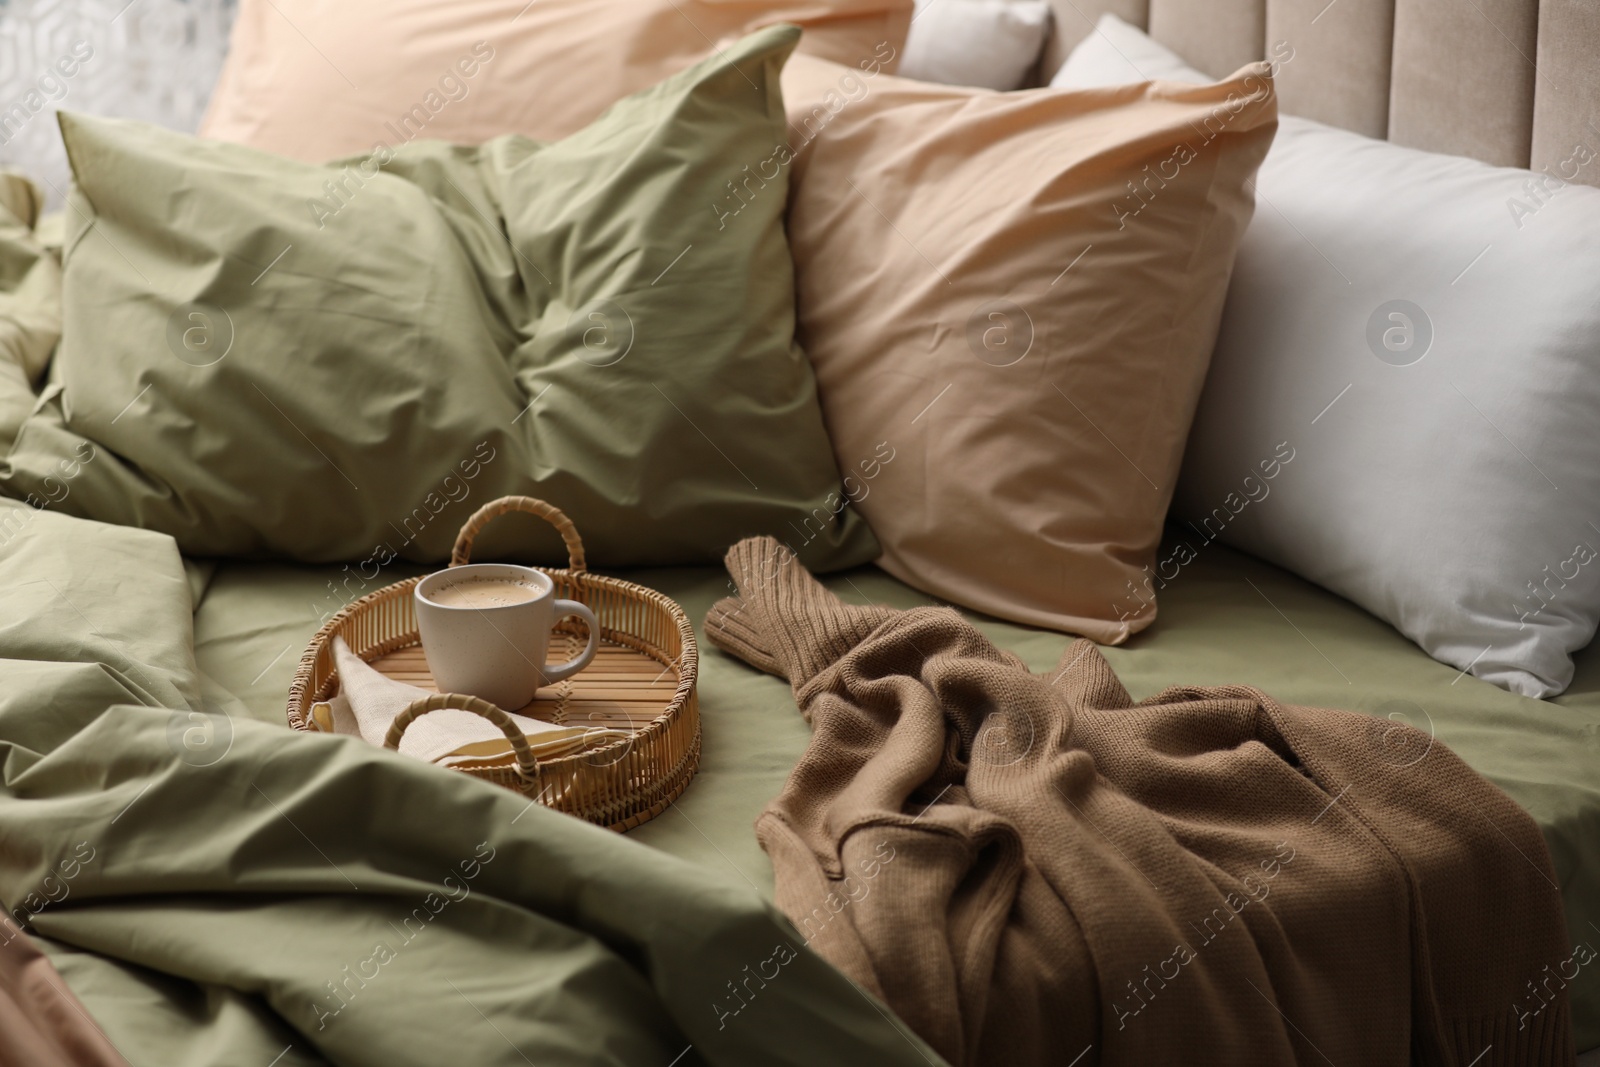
(621, 689)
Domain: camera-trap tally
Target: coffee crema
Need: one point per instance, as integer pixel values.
(485, 593)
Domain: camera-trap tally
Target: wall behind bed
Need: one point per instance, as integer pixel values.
(155, 60)
(1511, 82)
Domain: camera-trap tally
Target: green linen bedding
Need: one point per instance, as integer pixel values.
(1227, 618)
(222, 890)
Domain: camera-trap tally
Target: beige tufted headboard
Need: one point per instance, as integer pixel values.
(1513, 82)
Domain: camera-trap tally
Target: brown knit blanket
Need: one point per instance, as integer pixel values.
(1036, 869)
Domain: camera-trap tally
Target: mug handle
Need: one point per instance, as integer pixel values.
(562, 671)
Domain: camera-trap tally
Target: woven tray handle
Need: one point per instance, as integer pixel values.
(527, 765)
(549, 512)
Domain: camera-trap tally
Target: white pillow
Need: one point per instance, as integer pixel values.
(992, 44)
(1421, 335)
(1116, 53)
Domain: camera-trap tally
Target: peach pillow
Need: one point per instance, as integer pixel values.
(316, 79)
(1010, 300)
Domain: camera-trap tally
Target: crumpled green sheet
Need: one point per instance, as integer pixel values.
(320, 900)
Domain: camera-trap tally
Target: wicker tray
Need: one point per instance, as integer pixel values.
(642, 680)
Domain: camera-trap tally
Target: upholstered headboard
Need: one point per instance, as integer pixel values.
(1513, 82)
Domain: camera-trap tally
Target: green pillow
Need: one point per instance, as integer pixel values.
(266, 358)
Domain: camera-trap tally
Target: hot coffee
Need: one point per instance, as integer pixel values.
(485, 593)
(485, 629)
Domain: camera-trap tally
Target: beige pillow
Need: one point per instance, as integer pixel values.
(1010, 300)
(314, 79)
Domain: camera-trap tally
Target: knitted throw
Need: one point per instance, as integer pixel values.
(1036, 869)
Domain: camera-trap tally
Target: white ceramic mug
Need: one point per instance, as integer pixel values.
(496, 653)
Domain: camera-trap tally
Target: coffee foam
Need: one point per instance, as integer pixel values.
(485, 593)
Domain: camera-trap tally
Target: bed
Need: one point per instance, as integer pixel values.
(1231, 619)
(1227, 619)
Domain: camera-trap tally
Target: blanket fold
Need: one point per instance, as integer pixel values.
(1030, 869)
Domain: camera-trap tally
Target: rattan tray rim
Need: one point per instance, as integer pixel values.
(578, 583)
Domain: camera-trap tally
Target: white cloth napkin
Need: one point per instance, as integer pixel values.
(368, 702)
